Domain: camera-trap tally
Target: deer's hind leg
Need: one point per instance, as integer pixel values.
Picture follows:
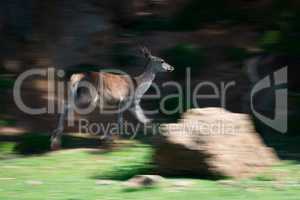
(121, 118)
(57, 133)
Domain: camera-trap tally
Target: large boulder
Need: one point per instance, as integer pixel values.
(212, 142)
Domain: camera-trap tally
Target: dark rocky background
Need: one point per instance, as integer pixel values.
(215, 38)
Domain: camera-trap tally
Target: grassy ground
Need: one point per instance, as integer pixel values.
(76, 174)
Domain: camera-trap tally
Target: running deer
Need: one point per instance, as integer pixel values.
(113, 89)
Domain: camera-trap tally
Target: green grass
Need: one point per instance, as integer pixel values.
(6, 83)
(7, 149)
(72, 175)
(6, 122)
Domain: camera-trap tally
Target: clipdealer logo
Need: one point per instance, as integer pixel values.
(279, 122)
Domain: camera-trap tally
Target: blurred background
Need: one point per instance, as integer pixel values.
(217, 39)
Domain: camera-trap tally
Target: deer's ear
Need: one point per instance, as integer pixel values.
(145, 51)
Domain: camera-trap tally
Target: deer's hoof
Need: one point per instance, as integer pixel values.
(55, 144)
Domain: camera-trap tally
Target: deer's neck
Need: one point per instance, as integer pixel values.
(144, 81)
(147, 76)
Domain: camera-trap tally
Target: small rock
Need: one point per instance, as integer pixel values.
(182, 183)
(143, 181)
(227, 182)
(34, 182)
(6, 178)
(104, 182)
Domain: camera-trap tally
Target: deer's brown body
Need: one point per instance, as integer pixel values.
(113, 89)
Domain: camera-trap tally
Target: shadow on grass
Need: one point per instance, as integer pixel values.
(127, 162)
(122, 173)
(146, 188)
(36, 143)
(122, 163)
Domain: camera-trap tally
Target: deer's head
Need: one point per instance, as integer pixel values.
(157, 64)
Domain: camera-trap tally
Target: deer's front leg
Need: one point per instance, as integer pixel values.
(139, 114)
(120, 119)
